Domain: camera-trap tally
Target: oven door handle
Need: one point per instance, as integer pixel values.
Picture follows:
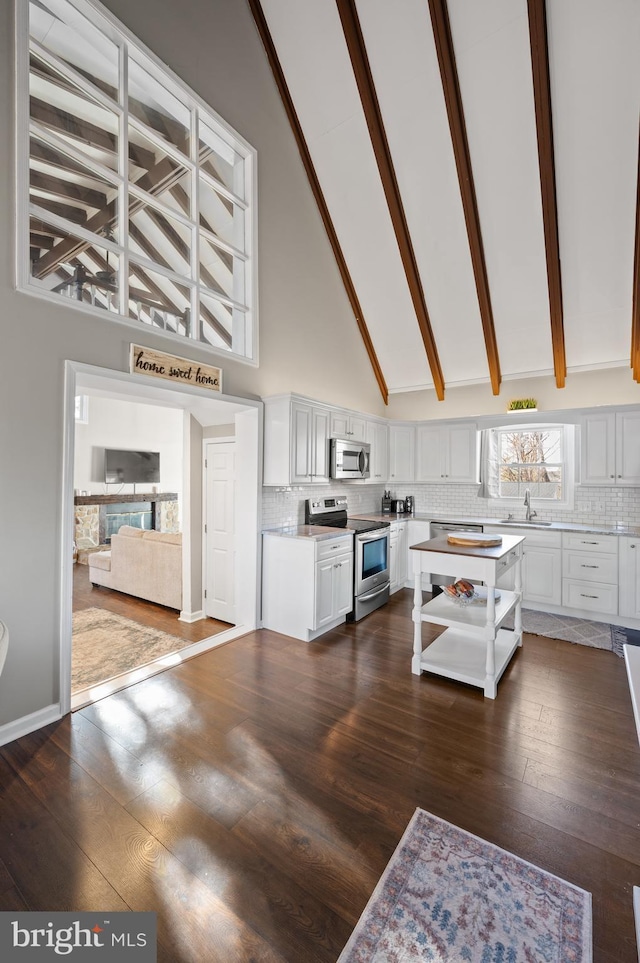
(366, 537)
(372, 595)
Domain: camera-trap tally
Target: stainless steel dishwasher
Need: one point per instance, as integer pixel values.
(443, 528)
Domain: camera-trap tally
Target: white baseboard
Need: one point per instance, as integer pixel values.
(191, 616)
(26, 724)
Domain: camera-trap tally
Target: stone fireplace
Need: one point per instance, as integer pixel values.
(98, 517)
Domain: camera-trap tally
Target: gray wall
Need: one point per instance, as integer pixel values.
(214, 47)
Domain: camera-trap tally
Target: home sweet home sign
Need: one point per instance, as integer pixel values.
(157, 364)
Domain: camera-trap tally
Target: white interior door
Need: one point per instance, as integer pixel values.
(219, 580)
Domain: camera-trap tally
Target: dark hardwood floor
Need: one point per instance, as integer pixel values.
(253, 795)
(86, 596)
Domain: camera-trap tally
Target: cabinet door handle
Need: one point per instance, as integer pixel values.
(589, 566)
(590, 543)
(582, 595)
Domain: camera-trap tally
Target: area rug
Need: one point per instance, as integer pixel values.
(567, 628)
(621, 636)
(449, 897)
(106, 645)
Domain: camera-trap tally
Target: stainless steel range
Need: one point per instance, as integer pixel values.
(371, 551)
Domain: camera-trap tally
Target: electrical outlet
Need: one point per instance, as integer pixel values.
(587, 506)
(598, 508)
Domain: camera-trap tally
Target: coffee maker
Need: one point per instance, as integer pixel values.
(408, 505)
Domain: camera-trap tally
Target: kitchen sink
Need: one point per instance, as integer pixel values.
(523, 521)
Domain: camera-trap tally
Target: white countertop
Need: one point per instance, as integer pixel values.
(620, 528)
(317, 532)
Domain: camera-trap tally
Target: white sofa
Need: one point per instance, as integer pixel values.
(141, 563)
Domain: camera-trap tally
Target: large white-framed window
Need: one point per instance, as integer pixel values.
(136, 201)
(538, 458)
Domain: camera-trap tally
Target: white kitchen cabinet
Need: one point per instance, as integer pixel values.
(611, 448)
(541, 564)
(296, 442)
(401, 453)
(307, 583)
(346, 424)
(378, 438)
(590, 573)
(398, 555)
(629, 587)
(447, 453)
(418, 530)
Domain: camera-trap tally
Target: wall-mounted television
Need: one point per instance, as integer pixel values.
(123, 467)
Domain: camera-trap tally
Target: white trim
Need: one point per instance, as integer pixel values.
(29, 723)
(191, 617)
(85, 697)
(141, 386)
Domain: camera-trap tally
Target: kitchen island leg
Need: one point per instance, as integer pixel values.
(417, 623)
(490, 684)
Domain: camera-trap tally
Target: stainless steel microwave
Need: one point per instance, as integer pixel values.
(349, 459)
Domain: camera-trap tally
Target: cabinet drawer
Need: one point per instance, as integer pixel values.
(508, 560)
(592, 596)
(329, 547)
(590, 567)
(607, 544)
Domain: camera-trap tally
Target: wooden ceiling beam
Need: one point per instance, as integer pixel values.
(544, 127)
(368, 97)
(635, 302)
(287, 101)
(455, 112)
(64, 189)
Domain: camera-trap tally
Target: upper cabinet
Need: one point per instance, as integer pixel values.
(447, 453)
(401, 453)
(345, 424)
(378, 438)
(611, 448)
(296, 442)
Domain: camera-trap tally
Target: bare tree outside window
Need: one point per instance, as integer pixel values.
(532, 459)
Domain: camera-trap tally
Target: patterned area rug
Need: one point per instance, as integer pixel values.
(621, 636)
(567, 628)
(106, 645)
(449, 897)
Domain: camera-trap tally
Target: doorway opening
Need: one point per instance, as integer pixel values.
(200, 416)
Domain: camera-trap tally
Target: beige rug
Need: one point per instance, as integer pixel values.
(106, 645)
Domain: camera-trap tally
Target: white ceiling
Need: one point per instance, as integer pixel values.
(594, 68)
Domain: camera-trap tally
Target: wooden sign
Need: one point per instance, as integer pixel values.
(157, 364)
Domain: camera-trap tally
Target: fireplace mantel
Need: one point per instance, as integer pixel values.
(118, 499)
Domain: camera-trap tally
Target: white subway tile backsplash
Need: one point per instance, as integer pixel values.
(604, 506)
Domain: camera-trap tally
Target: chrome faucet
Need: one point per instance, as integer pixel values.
(527, 502)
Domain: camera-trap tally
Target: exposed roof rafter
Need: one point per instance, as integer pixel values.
(364, 80)
(544, 127)
(455, 112)
(283, 89)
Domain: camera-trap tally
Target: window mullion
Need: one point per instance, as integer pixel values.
(123, 193)
(195, 325)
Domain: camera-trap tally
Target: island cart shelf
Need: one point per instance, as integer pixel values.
(474, 648)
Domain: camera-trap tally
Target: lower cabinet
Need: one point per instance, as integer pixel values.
(307, 583)
(629, 589)
(398, 555)
(417, 531)
(590, 573)
(541, 565)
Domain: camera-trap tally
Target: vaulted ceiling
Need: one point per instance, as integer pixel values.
(476, 166)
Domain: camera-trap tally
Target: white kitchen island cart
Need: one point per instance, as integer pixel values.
(474, 648)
